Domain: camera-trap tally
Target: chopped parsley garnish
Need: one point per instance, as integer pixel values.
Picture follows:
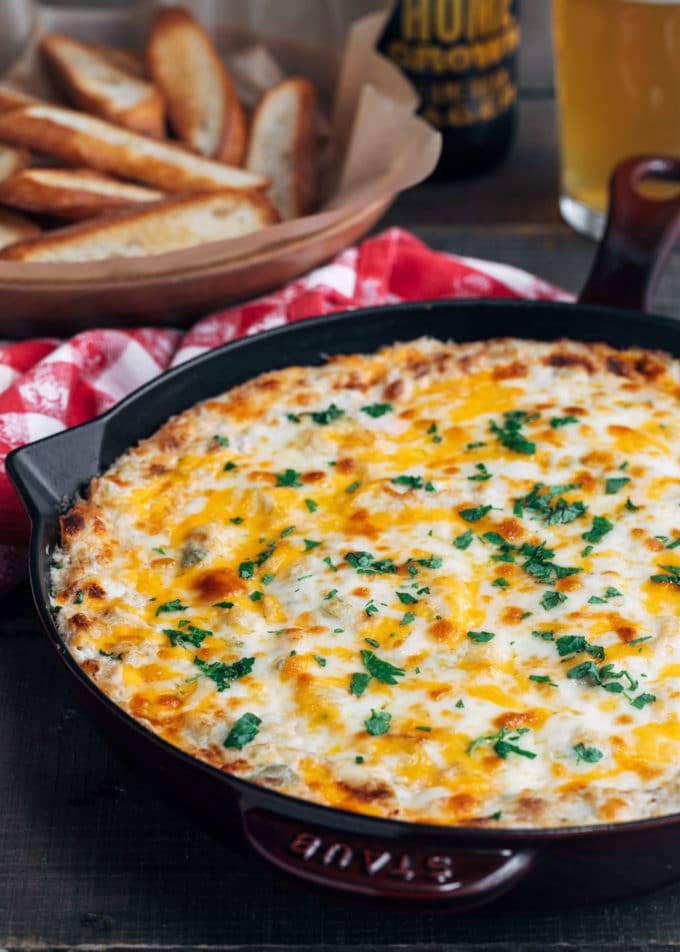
(502, 746)
(672, 578)
(408, 618)
(319, 660)
(557, 422)
(542, 679)
(229, 466)
(223, 604)
(222, 440)
(288, 477)
(433, 562)
(173, 606)
(329, 562)
(589, 755)
(378, 723)
(324, 417)
(187, 635)
(359, 683)
(255, 596)
(78, 600)
(111, 655)
(463, 541)
(371, 608)
(432, 431)
(544, 635)
(574, 644)
(474, 446)
(638, 641)
(475, 514)
(500, 582)
(246, 569)
(293, 417)
(413, 482)
(539, 566)
(352, 488)
(616, 483)
(287, 531)
(358, 759)
(480, 637)
(310, 544)
(156, 548)
(267, 578)
(333, 592)
(540, 502)
(366, 564)
(237, 520)
(311, 505)
(381, 670)
(372, 642)
(406, 599)
(377, 409)
(601, 526)
(460, 703)
(222, 673)
(642, 699)
(510, 432)
(243, 731)
(482, 474)
(630, 506)
(551, 600)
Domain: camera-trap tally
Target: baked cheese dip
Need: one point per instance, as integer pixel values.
(438, 583)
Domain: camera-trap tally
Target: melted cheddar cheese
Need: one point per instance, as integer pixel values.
(438, 583)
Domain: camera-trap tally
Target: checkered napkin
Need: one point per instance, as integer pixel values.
(47, 385)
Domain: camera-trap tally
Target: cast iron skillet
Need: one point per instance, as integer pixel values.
(454, 868)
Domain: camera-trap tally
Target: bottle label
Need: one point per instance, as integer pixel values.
(459, 55)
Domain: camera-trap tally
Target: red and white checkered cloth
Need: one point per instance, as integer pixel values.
(47, 385)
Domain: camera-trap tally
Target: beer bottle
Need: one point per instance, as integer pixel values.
(461, 57)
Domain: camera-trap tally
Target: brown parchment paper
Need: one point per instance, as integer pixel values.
(374, 146)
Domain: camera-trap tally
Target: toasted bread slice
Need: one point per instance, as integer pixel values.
(12, 160)
(93, 82)
(175, 223)
(83, 140)
(282, 145)
(202, 104)
(131, 61)
(14, 228)
(72, 193)
(12, 99)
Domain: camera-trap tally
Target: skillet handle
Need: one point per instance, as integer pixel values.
(638, 238)
(403, 869)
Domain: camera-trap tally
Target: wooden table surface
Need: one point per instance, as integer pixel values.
(90, 859)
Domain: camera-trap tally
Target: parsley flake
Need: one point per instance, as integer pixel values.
(358, 683)
(463, 541)
(173, 606)
(510, 432)
(482, 474)
(222, 673)
(601, 526)
(378, 723)
(616, 483)
(475, 514)
(310, 544)
(243, 731)
(406, 599)
(311, 505)
(589, 755)
(551, 600)
(288, 477)
(557, 422)
(480, 637)
(408, 618)
(381, 670)
(377, 409)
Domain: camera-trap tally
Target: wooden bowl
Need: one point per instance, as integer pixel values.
(34, 307)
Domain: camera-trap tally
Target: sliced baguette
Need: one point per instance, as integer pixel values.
(72, 193)
(130, 61)
(83, 140)
(282, 145)
(202, 104)
(14, 228)
(169, 225)
(12, 160)
(95, 83)
(12, 99)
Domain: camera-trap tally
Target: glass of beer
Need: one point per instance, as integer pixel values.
(617, 68)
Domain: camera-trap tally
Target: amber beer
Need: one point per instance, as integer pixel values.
(461, 57)
(618, 85)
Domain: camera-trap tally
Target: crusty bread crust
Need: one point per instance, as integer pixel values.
(84, 140)
(98, 85)
(12, 99)
(184, 64)
(288, 158)
(12, 160)
(164, 226)
(14, 228)
(75, 194)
